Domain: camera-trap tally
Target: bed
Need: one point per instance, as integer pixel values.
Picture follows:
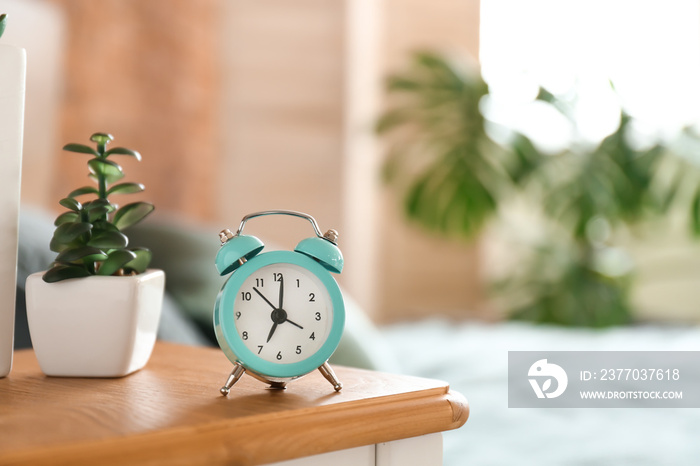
(472, 357)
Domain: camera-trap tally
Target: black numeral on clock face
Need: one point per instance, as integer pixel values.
(275, 336)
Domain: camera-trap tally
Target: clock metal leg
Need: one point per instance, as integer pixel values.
(236, 374)
(330, 376)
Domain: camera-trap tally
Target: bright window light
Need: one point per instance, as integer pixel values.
(649, 50)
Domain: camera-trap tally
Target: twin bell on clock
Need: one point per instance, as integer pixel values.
(280, 314)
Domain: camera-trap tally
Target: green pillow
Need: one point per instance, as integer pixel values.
(33, 253)
(186, 254)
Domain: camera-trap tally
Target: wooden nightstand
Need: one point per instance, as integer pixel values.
(171, 412)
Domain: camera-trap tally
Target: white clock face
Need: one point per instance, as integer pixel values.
(283, 313)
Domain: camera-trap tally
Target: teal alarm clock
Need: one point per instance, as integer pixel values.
(280, 314)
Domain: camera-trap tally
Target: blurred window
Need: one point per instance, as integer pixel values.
(649, 50)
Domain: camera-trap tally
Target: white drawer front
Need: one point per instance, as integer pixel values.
(360, 456)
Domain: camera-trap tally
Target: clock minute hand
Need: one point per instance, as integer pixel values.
(281, 291)
(263, 297)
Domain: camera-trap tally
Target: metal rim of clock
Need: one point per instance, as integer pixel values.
(227, 334)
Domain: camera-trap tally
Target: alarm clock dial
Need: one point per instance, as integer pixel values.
(283, 313)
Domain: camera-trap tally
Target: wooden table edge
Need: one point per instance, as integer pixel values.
(244, 440)
(234, 441)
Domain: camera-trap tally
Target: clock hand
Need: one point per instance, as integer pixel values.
(281, 291)
(294, 323)
(263, 297)
(272, 331)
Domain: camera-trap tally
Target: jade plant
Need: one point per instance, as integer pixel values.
(3, 23)
(89, 236)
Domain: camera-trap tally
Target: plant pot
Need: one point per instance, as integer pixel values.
(94, 326)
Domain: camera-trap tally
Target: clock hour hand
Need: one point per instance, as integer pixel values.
(295, 324)
(272, 331)
(263, 297)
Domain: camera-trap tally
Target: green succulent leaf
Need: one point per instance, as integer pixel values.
(126, 188)
(98, 209)
(115, 261)
(62, 272)
(103, 225)
(102, 138)
(142, 260)
(81, 253)
(66, 217)
(3, 23)
(109, 240)
(106, 168)
(70, 203)
(123, 151)
(98, 204)
(83, 190)
(99, 213)
(66, 233)
(80, 148)
(56, 245)
(131, 214)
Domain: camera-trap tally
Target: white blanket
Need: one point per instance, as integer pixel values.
(473, 358)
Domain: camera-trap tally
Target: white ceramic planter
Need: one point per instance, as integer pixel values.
(94, 326)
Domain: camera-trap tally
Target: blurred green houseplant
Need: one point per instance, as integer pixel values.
(88, 236)
(439, 153)
(454, 178)
(3, 23)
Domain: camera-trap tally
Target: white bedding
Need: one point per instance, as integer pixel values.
(473, 359)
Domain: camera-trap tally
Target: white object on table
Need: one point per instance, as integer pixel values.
(13, 63)
(97, 326)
